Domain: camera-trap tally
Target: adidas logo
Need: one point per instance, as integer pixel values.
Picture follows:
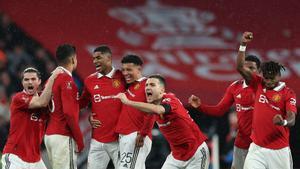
(96, 87)
(239, 96)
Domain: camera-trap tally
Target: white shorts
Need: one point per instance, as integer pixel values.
(61, 151)
(101, 153)
(200, 160)
(132, 157)
(264, 158)
(12, 161)
(239, 156)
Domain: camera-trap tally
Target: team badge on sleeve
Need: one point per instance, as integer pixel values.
(116, 83)
(293, 102)
(69, 85)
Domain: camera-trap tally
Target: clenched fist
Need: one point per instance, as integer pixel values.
(246, 38)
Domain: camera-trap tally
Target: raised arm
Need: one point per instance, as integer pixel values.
(214, 110)
(144, 107)
(43, 100)
(245, 72)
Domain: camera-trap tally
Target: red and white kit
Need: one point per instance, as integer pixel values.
(270, 147)
(243, 96)
(187, 142)
(132, 122)
(26, 131)
(99, 91)
(63, 126)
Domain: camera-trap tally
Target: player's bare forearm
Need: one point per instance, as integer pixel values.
(246, 38)
(290, 118)
(44, 98)
(289, 121)
(146, 107)
(240, 66)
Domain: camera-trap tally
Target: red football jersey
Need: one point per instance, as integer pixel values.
(182, 133)
(26, 129)
(243, 97)
(99, 91)
(268, 103)
(64, 113)
(131, 119)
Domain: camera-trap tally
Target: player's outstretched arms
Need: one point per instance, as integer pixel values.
(289, 121)
(144, 107)
(246, 73)
(43, 100)
(213, 110)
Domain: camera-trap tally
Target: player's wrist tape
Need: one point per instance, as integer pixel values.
(242, 48)
(285, 122)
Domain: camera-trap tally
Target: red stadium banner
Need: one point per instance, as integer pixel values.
(192, 43)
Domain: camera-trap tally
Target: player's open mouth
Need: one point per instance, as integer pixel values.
(30, 88)
(128, 78)
(149, 94)
(98, 67)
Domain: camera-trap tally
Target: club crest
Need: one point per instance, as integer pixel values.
(137, 86)
(116, 83)
(276, 98)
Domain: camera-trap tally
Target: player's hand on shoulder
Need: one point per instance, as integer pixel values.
(94, 122)
(57, 71)
(278, 120)
(194, 101)
(246, 38)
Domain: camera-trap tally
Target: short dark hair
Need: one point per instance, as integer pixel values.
(32, 70)
(253, 58)
(132, 59)
(271, 68)
(64, 52)
(160, 78)
(103, 49)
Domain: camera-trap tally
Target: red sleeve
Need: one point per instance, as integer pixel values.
(71, 110)
(171, 102)
(150, 118)
(222, 107)
(255, 80)
(21, 101)
(84, 98)
(290, 102)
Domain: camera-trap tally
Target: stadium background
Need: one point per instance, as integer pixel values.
(192, 43)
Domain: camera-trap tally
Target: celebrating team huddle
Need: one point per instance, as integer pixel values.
(125, 105)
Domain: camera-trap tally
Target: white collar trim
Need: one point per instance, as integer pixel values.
(244, 84)
(280, 86)
(141, 79)
(109, 75)
(65, 70)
